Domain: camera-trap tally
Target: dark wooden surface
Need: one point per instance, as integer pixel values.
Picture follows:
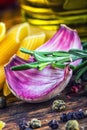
(17, 110)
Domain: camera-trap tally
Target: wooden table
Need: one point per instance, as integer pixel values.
(17, 109)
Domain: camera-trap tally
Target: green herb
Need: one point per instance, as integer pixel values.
(57, 59)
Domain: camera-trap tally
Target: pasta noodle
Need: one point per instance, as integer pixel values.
(11, 42)
(31, 43)
(2, 76)
(2, 30)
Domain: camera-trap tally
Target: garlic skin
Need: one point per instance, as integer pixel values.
(64, 39)
(38, 86)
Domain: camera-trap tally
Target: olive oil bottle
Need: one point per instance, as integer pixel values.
(49, 14)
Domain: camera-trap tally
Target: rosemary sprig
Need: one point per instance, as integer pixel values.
(57, 59)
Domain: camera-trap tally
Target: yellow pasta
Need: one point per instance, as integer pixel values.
(2, 76)
(21, 35)
(2, 125)
(12, 40)
(31, 43)
(2, 30)
(6, 90)
(36, 30)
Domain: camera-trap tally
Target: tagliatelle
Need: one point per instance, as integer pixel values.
(12, 40)
(2, 30)
(31, 43)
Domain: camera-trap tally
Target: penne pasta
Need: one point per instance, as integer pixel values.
(2, 76)
(2, 31)
(31, 43)
(11, 42)
(6, 90)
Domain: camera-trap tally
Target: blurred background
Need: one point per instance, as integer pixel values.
(46, 14)
(10, 12)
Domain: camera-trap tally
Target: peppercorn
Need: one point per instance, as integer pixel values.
(72, 115)
(63, 117)
(2, 102)
(23, 125)
(54, 124)
(58, 105)
(80, 114)
(35, 123)
(72, 125)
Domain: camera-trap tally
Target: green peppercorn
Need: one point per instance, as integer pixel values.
(58, 105)
(35, 123)
(2, 102)
(72, 125)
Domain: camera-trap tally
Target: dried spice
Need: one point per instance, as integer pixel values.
(2, 102)
(35, 123)
(72, 125)
(58, 105)
(24, 125)
(54, 124)
(72, 115)
(76, 86)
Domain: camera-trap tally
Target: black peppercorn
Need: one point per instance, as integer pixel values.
(54, 124)
(2, 102)
(23, 125)
(72, 115)
(63, 117)
(80, 114)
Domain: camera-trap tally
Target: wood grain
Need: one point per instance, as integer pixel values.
(17, 110)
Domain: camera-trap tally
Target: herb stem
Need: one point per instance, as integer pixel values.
(55, 58)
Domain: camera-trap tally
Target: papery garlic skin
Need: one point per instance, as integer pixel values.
(38, 86)
(64, 39)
